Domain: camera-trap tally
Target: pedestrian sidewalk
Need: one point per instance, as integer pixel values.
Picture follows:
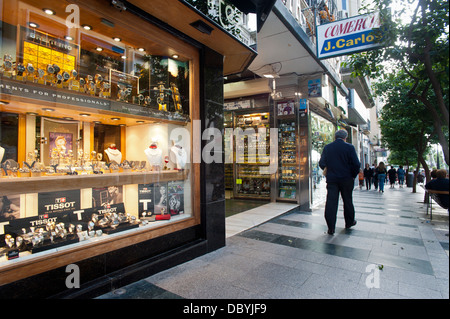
(394, 251)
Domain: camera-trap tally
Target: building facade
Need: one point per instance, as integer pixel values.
(103, 105)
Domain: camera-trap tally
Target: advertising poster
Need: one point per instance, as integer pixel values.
(176, 198)
(160, 190)
(58, 202)
(9, 207)
(104, 196)
(61, 142)
(314, 88)
(146, 200)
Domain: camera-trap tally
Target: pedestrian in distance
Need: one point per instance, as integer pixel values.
(361, 178)
(381, 173)
(342, 163)
(368, 174)
(375, 176)
(392, 173)
(401, 176)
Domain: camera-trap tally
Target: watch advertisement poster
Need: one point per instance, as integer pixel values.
(176, 198)
(146, 200)
(104, 196)
(62, 142)
(160, 190)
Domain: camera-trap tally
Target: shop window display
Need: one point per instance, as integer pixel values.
(95, 151)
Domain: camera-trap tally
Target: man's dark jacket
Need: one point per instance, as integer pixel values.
(341, 161)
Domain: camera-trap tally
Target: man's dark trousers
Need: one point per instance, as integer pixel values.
(345, 188)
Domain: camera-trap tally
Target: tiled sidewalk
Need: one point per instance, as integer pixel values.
(393, 252)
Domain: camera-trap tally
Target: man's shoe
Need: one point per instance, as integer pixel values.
(353, 224)
(330, 232)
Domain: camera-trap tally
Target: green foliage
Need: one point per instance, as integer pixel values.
(416, 45)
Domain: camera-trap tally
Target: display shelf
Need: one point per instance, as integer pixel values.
(68, 102)
(26, 185)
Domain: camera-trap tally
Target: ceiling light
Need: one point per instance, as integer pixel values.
(85, 114)
(122, 125)
(47, 109)
(97, 122)
(4, 102)
(86, 27)
(33, 25)
(123, 57)
(115, 118)
(117, 39)
(68, 118)
(68, 37)
(140, 122)
(99, 49)
(49, 11)
(175, 56)
(141, 49)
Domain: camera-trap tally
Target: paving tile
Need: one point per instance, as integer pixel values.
(277, 252)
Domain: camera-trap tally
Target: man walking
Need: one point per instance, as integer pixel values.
(341, 161)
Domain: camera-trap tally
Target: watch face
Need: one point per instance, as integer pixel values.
(41, 73)
(30, 68)
(20, 68)
(66, 76)
(82, 81)
(50, 69)
(74, 73)
(8, 64)
(56, 68)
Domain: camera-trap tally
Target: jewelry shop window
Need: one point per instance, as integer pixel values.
(100, 149)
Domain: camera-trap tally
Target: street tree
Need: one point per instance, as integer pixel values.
(405, 123)
(418, 47)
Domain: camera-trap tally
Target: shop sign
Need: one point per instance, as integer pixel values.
(348, 36)
(58, 202)
(237, 105)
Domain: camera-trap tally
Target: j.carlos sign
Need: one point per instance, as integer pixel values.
(348, 36)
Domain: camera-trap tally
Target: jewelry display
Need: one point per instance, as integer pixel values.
(50, 76)
(7, 69)
(41, 76)
(20, 69)
(31, 72)
(74, 84)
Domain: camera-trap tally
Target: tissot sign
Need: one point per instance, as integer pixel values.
(348, 36)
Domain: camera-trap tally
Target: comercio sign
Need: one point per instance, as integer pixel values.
(348, 36)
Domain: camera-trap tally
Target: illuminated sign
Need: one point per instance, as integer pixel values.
(348, 36)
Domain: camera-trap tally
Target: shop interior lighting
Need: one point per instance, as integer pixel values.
(97, 122)
(141, 49)
(49, 11)
(68, 118)
(33, 25)
(85, 114)
(124, 57)
(117, 39)
(99, 49)
(140, 122)
(68, 37)
(47, 109)
(115, 119)
(175, 56)
(86, 27)
(4, 102)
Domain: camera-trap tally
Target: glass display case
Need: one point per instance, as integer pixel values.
(101, 136)
(288, 174)
(252, 153)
